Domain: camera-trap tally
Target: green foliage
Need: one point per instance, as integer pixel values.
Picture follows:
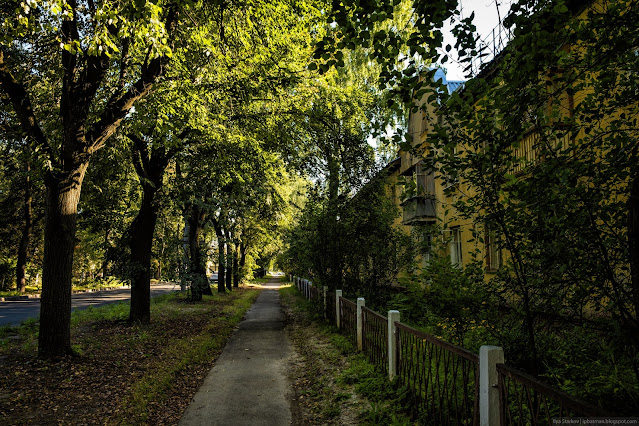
(542, 148)
(361, 253)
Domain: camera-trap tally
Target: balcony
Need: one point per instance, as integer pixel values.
(419, 209)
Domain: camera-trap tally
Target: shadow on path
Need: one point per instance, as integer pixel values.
(248, 384)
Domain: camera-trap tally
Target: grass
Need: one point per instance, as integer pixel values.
(97, 284)
(121, 374)
(334, 383)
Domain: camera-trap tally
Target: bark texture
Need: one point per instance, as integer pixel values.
(199, 280)
(150, 167)
(54, 338)
(23, 248)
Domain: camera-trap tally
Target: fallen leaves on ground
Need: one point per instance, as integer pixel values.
(101, 384)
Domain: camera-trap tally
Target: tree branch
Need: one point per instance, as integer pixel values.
(23, 108)
(119, 106)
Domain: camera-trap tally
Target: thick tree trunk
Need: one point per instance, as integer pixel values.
(141, 244)
(23, 248)
(54, 338)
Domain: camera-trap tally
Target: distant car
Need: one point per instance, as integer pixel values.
(213, 276)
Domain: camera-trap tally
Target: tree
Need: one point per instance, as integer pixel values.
(104, 62)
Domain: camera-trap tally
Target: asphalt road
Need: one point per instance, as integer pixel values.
(14, 312)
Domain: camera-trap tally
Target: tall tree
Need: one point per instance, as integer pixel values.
(108, 56)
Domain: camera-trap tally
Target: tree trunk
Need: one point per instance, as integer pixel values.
(61, 209)
(107, 249)
(199, 280)
(236, 266)
(243, 250)
(140, 244)
(217, 224)
(150, 168)
(229, 262)
(23, 248)
(222, 267)
(633, 244)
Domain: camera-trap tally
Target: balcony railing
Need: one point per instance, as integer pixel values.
(489, 47)
(419, 209)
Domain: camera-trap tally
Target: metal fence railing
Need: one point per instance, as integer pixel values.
(348, 319)
(316, 296)
(524, 400)
(375, 337)
(443, 378)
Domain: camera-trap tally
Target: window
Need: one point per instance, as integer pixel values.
(455, 246)
(493, 250)
(424, 179)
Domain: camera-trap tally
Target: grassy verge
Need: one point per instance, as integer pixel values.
(94, 285)
(334, 384)
(121, 374)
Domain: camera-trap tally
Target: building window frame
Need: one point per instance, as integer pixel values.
(455, 246)
(492, 243)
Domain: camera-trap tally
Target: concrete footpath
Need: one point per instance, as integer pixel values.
(248, 384)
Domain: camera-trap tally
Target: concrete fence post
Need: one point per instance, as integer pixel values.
(324, 291)
(310, 292)
(338, 294)
(393, 317)
(360, 324)
(489, 357)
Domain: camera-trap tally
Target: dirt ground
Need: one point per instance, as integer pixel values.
(319, 396)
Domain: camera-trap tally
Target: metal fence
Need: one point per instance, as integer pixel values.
(375, 337)
(524, 400)
(443, 378)
(348, 318)
(316, 296)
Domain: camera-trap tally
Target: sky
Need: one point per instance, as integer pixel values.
(486, 18)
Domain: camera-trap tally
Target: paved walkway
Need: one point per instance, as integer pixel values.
(248, 384)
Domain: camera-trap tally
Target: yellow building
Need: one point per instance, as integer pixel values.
(427, 199)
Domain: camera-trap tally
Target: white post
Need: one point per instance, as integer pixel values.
(393, 317)
(360, 324)
(489, 357)
(338, 294)
(324, 297)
